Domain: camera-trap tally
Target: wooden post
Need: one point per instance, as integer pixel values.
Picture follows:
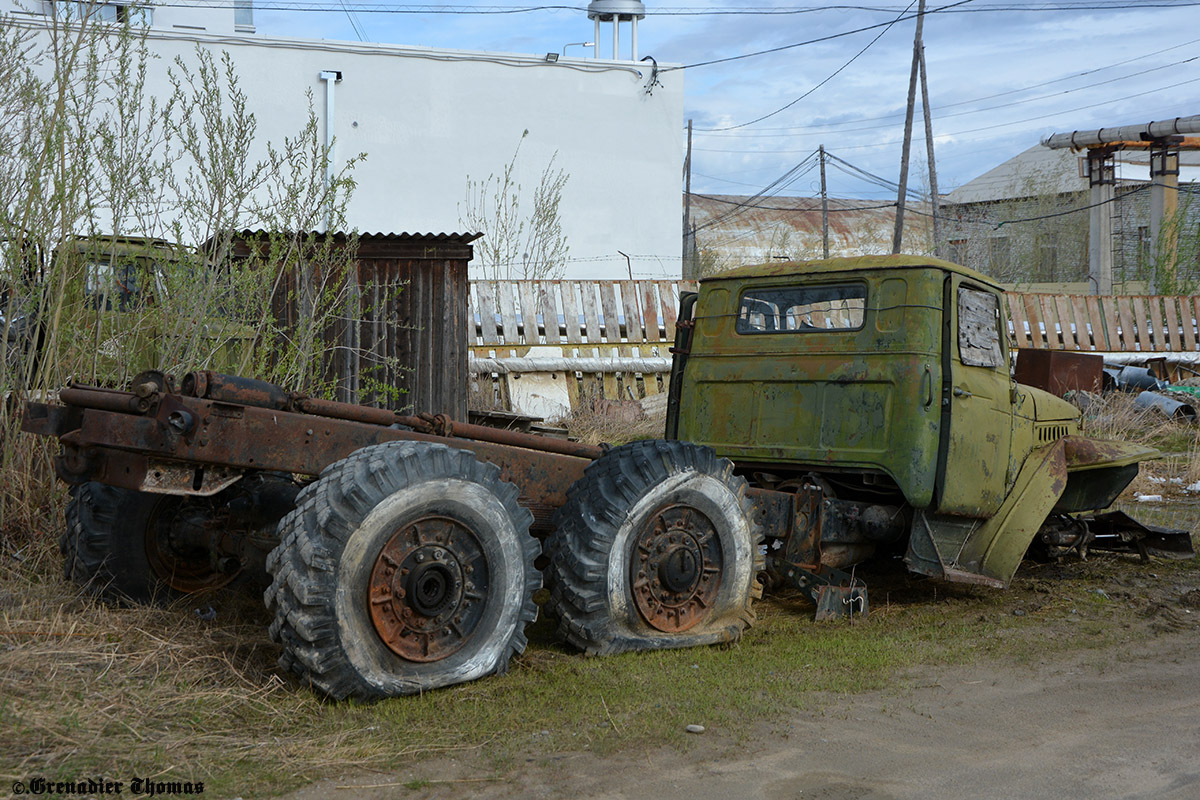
(824, 208)
(688, 269)
(938, 246)
(898, 233)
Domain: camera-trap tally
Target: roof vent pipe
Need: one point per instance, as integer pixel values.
(616, 12)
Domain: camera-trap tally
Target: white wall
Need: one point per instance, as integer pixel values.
(427, 119)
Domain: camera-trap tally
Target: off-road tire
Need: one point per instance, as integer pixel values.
(100, 546)
(590, 552)
(340, 531)
(104, 545)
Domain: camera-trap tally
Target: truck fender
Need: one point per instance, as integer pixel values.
(987, 551)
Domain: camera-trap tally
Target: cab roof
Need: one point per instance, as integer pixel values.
(783, 269)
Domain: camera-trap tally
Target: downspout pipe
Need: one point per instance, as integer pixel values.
(331, 78)
(1180, 126)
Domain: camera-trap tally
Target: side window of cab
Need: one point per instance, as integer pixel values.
(979, 342)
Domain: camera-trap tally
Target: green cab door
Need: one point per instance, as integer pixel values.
(977, 420)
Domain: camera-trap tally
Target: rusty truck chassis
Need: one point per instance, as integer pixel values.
(211, 431)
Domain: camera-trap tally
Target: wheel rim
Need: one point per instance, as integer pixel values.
(428, 589)
(185, 568)
(676, 568)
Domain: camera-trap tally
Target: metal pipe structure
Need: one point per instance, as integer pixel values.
(446, 427)
(1180, 126)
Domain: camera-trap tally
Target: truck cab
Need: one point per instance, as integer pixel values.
(888, 379)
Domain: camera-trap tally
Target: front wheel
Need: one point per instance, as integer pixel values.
(406, 567)
(655, 547)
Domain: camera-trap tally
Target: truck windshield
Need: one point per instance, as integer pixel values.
(799, 309)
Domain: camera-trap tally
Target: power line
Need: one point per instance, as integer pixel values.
(833, 75)
(661, 11)
(818, 40)
(762, 135)
(790, 208)
(1057, 113)
(782, 182)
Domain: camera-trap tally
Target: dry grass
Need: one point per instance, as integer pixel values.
(616, 422)
(1114, 416)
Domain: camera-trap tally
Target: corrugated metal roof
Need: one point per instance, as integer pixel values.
(1037, 171)
(790, 227)
(457, 238)
(1041, 171)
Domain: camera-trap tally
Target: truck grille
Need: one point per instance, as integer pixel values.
(1051, 433)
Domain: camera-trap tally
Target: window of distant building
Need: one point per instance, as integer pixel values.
(999, 255)
(958, 251)
(1046, 256)
(243, 15)
(1143, 244)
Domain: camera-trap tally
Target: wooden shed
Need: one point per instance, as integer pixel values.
(405, 321)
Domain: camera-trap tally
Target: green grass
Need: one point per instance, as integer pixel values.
(87, 690)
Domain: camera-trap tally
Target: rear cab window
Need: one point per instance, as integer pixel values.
(802, 309)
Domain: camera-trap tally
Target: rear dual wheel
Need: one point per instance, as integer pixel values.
(656, 547)
(406, 567)
(127, 546)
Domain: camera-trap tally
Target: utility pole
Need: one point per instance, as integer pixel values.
(688, 267)
(938, 246)
(824, 208)
(898, 234)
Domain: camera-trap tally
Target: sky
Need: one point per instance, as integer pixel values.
(1002, 74)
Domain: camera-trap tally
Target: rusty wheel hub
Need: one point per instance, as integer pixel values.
(180, 541)
(428, 589)
(676, 569)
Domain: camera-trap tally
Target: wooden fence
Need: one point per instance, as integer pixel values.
(1121, 324)
(536, 345)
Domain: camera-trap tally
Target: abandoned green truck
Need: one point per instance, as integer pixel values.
(819, 413)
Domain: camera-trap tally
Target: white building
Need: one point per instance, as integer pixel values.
(429, 119)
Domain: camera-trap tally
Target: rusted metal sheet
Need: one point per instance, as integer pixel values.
(1059, 372)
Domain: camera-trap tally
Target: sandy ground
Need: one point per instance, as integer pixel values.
(1119, 723)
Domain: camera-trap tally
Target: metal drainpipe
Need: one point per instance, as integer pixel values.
(348, 391)
(331, 78)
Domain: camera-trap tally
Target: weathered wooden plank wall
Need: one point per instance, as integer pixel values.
(1114, 324)
(541, 323)
(628, 324)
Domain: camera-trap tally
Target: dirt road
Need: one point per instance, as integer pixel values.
(1117, 723)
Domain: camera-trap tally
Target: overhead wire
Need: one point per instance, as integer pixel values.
(1056, 113)
(782, 182)
(318, 6)
(807, 42)
(762, 135)
(831, 76)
